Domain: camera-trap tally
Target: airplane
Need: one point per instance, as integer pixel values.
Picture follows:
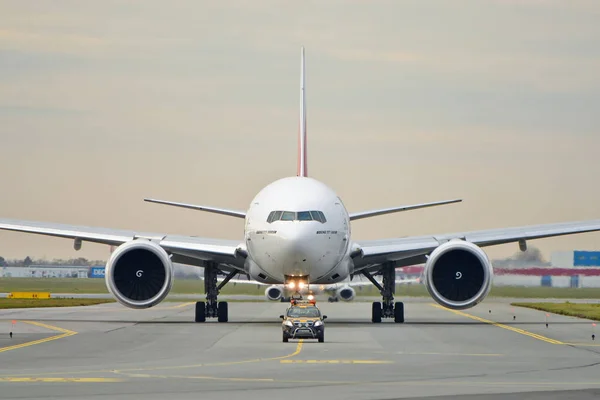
(297, 229)
(344, 291)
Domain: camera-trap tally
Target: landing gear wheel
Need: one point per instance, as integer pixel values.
(376, 312)
(321, 337)
(200, 312)
(285, 338)
(222, 312)
(399, 312)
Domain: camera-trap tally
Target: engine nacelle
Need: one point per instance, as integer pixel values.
(139, 274)
(274, 293)
(345, 293)
(458, 274)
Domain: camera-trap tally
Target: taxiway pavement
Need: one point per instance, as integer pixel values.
(108, 351)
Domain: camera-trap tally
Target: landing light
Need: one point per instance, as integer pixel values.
(301, 285)
(291, 285)
(311, 297)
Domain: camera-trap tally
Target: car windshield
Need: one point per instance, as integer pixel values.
(304, 312)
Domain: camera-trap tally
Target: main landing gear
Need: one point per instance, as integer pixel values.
(387, 308)
(212, 308)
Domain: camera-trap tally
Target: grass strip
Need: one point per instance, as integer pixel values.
(35, 303)
(579, 310)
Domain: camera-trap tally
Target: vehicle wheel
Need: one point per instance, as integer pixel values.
(376, 312)
(200, 311)
(399, 312)
(322, 337)
(285, 338)
(222, 312)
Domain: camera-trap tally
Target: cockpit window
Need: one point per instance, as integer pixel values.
(304, 216)
(318, 216)
(274, 216)
(288, 216)
(296, 216)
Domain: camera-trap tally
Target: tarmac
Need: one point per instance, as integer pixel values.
(492, 351)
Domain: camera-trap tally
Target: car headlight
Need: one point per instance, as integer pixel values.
(288, 323)
(318, 323)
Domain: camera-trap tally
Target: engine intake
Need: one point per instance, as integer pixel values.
(458, 274)
(139, 274)
(273, 293)
(346, 293)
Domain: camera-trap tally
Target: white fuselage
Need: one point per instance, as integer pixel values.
(285, 242)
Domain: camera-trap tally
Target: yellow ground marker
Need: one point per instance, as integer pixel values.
(29, 295)
(65, 333)
(510, 328)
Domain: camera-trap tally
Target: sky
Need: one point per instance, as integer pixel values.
(105, 103)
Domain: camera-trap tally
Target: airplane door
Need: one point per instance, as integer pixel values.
(344, 235)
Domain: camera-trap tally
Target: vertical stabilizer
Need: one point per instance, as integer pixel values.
(302, 169)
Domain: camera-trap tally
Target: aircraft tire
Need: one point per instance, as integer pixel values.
(200, 311)
(222, 312)
(399, 312)
(321, 337)
(376, 312)
(285, 338)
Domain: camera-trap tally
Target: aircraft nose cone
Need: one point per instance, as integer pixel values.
(297, 251)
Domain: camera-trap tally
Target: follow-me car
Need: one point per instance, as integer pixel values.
(303, 320)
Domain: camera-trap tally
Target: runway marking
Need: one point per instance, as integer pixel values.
(180, 305)
(79, 380)
(130, 371)
(454, 354)
(225, 363)
(499, 325)
(335, 362)
(418, 383)
(65, 333)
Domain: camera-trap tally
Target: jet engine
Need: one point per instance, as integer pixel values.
(139, 274)
(273, 293)
(346, 293)
(458, 274)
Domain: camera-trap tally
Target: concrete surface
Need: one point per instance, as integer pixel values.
(108, 351)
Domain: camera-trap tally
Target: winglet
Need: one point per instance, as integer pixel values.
(302, 169)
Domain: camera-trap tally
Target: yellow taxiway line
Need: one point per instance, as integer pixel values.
(510, 328)
(64, 333)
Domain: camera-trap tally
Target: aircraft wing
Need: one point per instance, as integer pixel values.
(412, 250)
(368, 283)
(185, 249)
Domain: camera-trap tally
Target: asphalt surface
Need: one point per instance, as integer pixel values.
(108, 351)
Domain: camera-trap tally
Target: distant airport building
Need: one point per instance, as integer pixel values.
(45, 271)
